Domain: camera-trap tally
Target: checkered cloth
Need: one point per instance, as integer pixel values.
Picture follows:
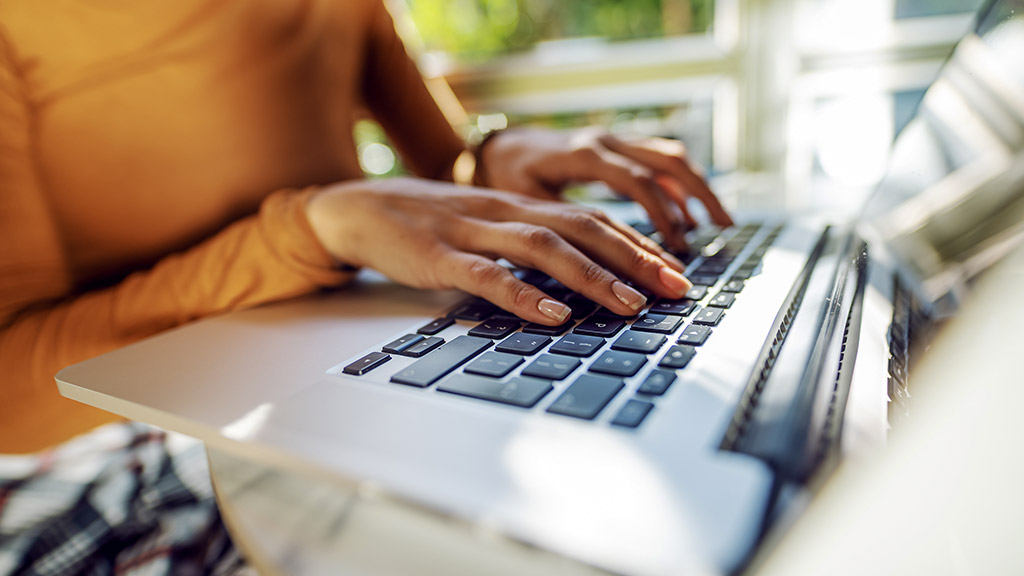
(125, 499)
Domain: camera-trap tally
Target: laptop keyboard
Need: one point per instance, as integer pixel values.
(577, 369)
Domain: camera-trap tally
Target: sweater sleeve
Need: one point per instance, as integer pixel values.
(45, 325)
(399, 99)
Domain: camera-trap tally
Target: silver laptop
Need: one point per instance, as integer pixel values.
(665, 443)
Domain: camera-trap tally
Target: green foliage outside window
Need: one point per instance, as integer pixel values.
(475, 30)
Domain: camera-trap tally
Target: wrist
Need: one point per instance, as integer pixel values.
(480, 177)
(328, 230)
(469, 168)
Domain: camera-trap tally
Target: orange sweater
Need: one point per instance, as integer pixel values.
(155, 160)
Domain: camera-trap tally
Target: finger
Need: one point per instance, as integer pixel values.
(486, 278)
(644, 242)
(630, 178)
(580, 229)
(670, 157)
(510, 212)
(507, 211)
(691, 222)
(534, 189)
(677, 241)
(541, 248)
(653, 268)
(675, 190)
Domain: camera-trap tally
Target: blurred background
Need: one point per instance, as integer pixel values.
(802, 97)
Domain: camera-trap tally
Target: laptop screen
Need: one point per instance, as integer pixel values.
(952, 201)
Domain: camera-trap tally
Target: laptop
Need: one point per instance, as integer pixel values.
(666, 443)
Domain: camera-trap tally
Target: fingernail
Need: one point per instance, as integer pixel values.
(554, 309)
(674, 281)
(628, 296)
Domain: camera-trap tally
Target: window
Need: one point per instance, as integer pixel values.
(863, 66)
(811, 90)
(475, 30)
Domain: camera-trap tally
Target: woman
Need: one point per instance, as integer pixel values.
(166, 161)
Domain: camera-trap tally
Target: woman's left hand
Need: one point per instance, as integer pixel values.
(654, 172)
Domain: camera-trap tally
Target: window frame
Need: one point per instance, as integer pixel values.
(759, 74)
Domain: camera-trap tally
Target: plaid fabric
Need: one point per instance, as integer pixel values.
(125, 499)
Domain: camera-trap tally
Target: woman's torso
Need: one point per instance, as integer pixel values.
(157, 123)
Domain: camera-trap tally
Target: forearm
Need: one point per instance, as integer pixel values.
(270, 256)
(399, 98)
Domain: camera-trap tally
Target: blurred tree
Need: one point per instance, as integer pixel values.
(473, 30)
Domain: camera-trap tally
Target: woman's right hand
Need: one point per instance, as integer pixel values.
(432, 235)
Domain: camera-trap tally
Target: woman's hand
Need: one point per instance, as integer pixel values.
(431, 235)
(652, 171)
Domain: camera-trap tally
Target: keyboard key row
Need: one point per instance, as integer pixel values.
(464, 367)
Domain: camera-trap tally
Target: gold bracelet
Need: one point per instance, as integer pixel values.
(464, 169)
(468, 169)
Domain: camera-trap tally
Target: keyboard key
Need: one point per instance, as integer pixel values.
(658, 323)
(533, 328)
(602, 311)
(525, 344)
(759, 252)
(496, 327)
(678, 356)
(676, 307)
(366, 363)
(710, 268)
(522, 392)
(581, 307)
(632, 341)
(431, 368)
(422, 347)
(709, 316)
(645, 228)
(619, 363)
(577, 345)
(698, 292)
(733, 286)
(556, 290)
(722, 300)
(603, 326)
(435, 326)
(694, 335)
(531, 276)
(586, 397)
(657, 382)
(702, 279)
(494, 364)
(475, 310)
(742, 273)
(551, 367)
(632, 414)
(396, 346)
